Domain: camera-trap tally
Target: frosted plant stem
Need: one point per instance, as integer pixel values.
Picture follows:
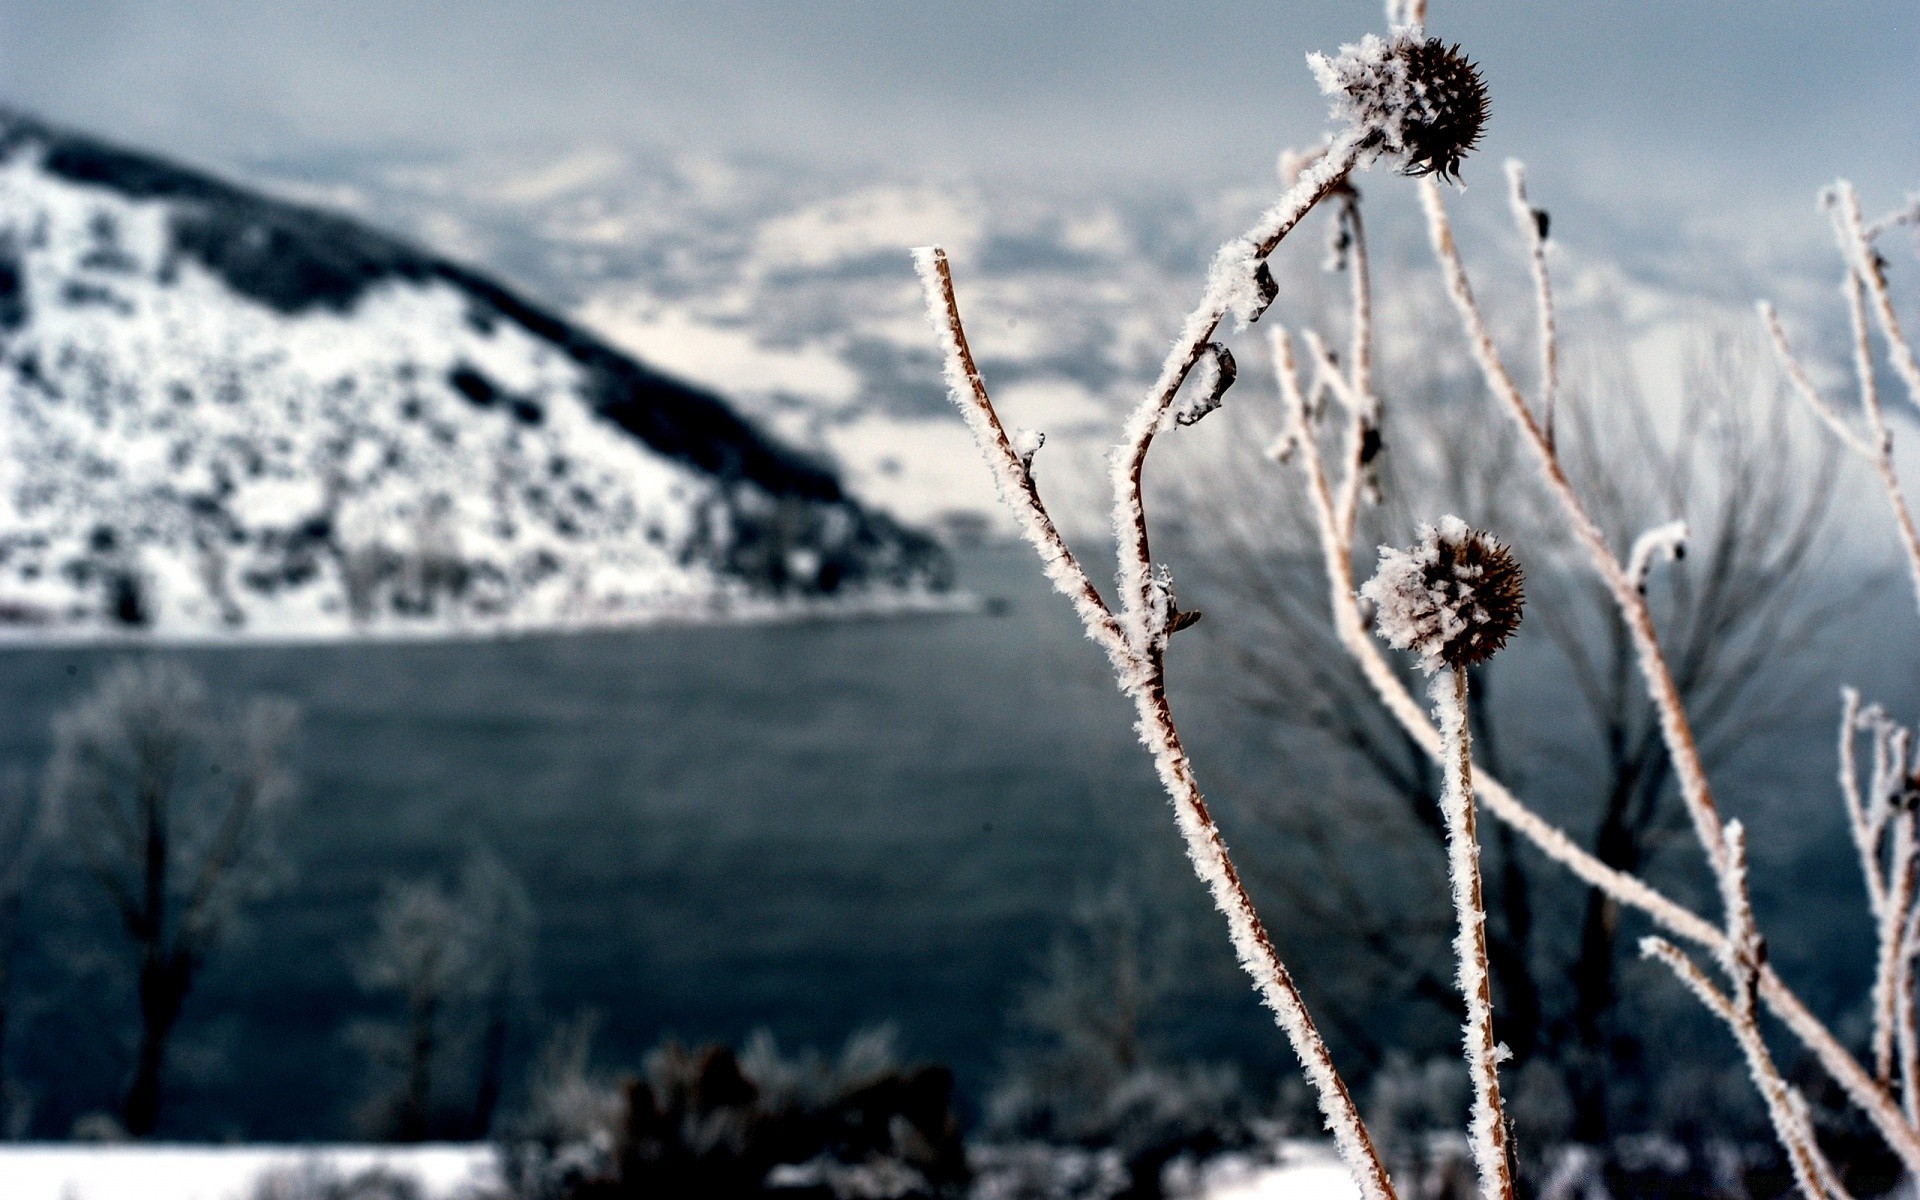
(1011, 474)
(1906, 1037)
(1811, 1171)
(1252, 944)
(1528, 222)
(1363, 409)
(1676, 731)
(1866, 837)
(1877, 448)
(1892, 944)
(1674, 727)
(1867, 266)
(1232, 273)
(1549, 839)
(1136, 647)
(1487, 1131)
(1337, 558)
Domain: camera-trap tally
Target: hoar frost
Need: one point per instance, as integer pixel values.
(1407, 96)
(1454, 598)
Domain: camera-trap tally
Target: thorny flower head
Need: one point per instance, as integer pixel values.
(1454, 598)
(1409, 96)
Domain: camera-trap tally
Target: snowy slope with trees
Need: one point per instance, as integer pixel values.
(229, 415)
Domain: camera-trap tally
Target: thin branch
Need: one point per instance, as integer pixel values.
(1815, 1177)
(1010, 471)
(1691, 773)
(1532, 223)
(1487, 1132)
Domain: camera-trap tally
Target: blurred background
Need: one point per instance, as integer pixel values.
(481, 474)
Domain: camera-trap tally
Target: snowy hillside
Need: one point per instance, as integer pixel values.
(788, 289)
(229, 415)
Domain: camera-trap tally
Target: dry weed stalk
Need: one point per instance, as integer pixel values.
(1135, 636)
(1427, 125)
(1738, 947)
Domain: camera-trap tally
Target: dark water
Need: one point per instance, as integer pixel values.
(812, 827)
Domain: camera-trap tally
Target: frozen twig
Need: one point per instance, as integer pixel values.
(1239, 282)
(1675, 729)
(1011, 467)
(1668, 542)
(1742, 954)
(1629, 890)
(1136, 639)
(1867, 265)
(1454, 599)
(1866, 277)
(1487, 1131)
(1532, 223)
(1811, 1171)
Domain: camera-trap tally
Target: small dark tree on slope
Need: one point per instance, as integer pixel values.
(170, 807)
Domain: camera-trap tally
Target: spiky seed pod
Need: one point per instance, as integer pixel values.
(1411, 96)
(1454, 598)
(1452, 114)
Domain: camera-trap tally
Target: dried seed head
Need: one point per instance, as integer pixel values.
(1409, 96)
(1455, 598)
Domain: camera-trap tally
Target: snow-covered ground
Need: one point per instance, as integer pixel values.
(64, 1171)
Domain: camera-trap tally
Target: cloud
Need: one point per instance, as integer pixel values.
(1722, 102)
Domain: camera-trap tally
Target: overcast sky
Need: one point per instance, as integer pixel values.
(1718, 103)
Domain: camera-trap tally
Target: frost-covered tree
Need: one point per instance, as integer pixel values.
(458, 961)
(170, 805)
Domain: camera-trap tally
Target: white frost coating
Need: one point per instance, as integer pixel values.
(1486, 1131)
(1226, 285)
(1664, 543)
(1134, 644)
(1411, 613)
(1865, 274)
(1026, 444)
(1836, 1058)
(1208, 853)
(1371, 93)
(1204, 389)
(1675, 730)
(1785, 1109)
(1237, 282)
(1531, 222)
(1010, 476)
(1867, 266)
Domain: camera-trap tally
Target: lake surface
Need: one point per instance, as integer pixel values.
(812, 827)
(809, 827)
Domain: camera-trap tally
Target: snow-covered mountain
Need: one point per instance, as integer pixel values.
(787, 287)
(226, 414)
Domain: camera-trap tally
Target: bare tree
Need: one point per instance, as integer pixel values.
(458, 959)
(1092, 1006)
(170, 807)
(503, 922)
(1746, 595)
